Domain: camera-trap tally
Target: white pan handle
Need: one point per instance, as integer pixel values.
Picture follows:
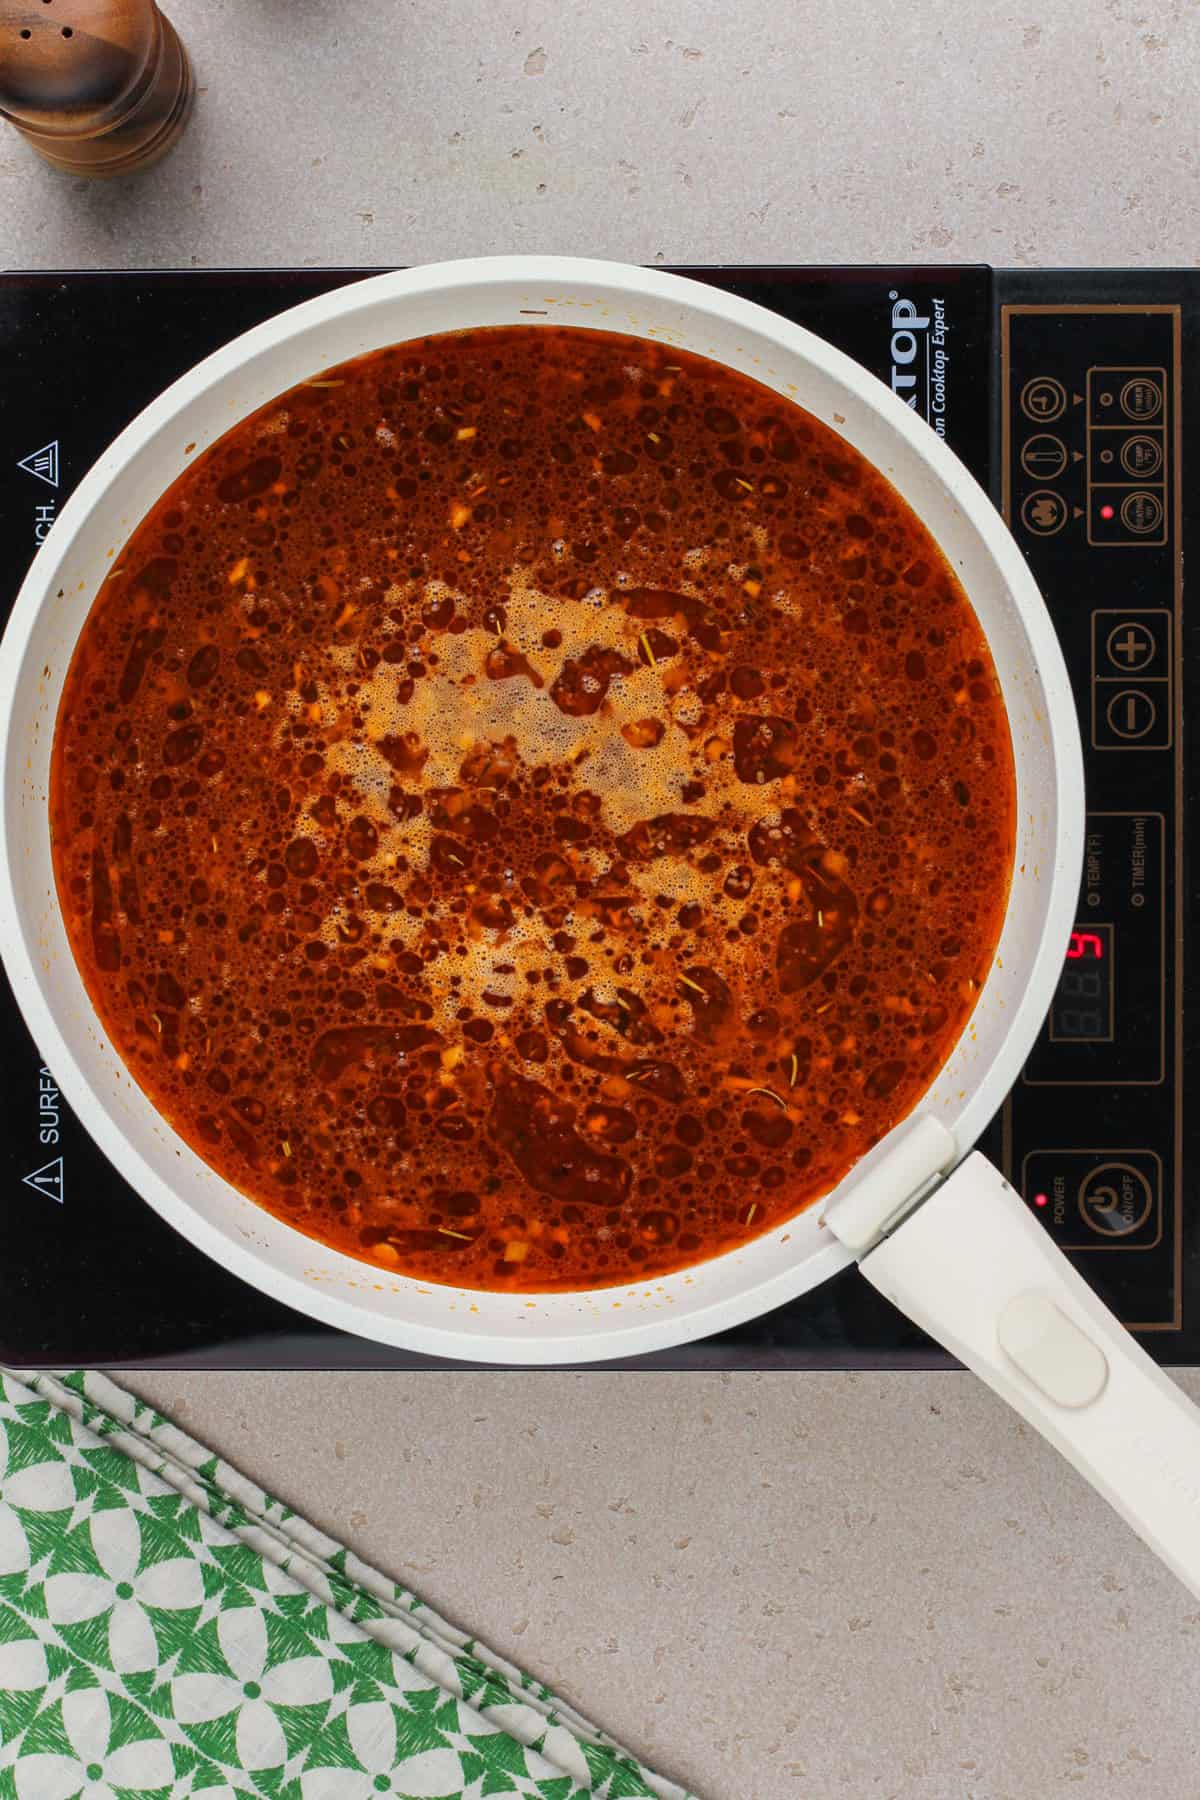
(976, 1271)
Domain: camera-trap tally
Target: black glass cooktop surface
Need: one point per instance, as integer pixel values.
(1068, 395)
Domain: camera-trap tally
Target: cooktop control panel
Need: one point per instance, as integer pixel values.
(1090, 471)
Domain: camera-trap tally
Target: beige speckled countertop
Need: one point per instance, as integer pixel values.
(363, 131)
(775, 1587)
(779, 1587)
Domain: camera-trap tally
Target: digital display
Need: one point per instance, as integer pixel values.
(1110, 1019)
(1082, 1010)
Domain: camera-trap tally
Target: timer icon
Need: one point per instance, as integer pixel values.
(1043, 399)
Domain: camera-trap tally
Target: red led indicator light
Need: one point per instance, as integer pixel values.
(1107, 512)
(1040, 1200)
(1085, 946)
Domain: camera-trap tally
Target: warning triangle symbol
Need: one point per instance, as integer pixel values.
(43, 463)
(48, 1179)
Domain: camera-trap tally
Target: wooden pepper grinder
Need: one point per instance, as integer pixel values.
(99, 87)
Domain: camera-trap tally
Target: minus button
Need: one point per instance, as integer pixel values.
(1131, 714)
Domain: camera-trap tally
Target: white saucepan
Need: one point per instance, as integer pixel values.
(935, 1228)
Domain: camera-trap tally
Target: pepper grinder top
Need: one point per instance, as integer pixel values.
(98, 87)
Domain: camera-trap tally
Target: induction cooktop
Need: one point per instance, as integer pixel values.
(1067, 394)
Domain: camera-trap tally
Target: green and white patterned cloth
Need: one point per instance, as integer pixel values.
(167, 1630)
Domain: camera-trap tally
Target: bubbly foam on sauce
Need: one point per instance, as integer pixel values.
(532, 808)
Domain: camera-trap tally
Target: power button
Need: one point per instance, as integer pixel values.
(1115, 1199)
(1095, 1200)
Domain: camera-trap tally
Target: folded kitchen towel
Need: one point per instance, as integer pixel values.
(167, 1629)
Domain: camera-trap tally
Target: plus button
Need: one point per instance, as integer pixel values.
(1130, 647)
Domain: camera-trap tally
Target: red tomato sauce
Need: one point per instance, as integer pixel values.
(531, 808)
